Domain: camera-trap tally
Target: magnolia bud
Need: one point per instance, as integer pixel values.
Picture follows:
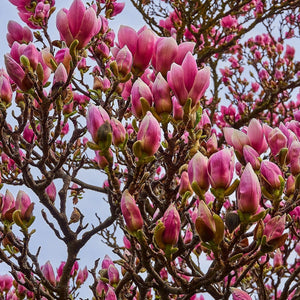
(131, 212)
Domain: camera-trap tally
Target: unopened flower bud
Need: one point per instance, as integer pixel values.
(248, 192)
(131, 212)
(149, 134)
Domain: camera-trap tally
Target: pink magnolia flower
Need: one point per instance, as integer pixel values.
(51, 191)
(187, 81)
(107, 261)
(248, 192)
(110, 295)
(82, 276)
(113, 275)
(118, 132)
(238, 294)
(256, 136)
(48, 272)
(24, 204)
(161, 95)
(197, 171)
(149, 134)
(60, 74)
(5, 90)
(184, 184)
(32, 15)
(171, 222)
(77, 23)
(167, 51)
(270, 172)
(140, 44)
(96, 117)
(6, 282)
(140, 89)
(294, 157)
(16, 73)
(7, 205)
(124, 61)
(17, 33)
(229, 22)
(274, 231)
(251, 156)
(236, 138)
(131, 212)
(276, 140)
(220, 168)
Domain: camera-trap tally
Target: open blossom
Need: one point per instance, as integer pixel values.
(187, 81)
(17, 33)
(167, 51)
(140, 44)
(33, 13)
(77, 23)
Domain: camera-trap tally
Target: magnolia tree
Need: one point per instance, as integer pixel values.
(192, 125)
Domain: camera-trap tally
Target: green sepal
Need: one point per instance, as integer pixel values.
(266, 193)
(53, 64)
(198, 116)
(259, 216)
(73, 50)
(126, 77)
(218, 237)
(104, 145)
(25, 61)
(17, 219)
(235, 257)
(29, 223)
(134, 125)
(244, 217)
(282, 155)
(196, 188)
(40, 72)
(145, 159)
(232, 188)
(114, 68)
(218, 193)
(145, 105)
(170, 250)
(93, 146)
(137, 149)
(105, 280)
(59, 104)
(187, 107)
(122, 146)
(157, 236)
